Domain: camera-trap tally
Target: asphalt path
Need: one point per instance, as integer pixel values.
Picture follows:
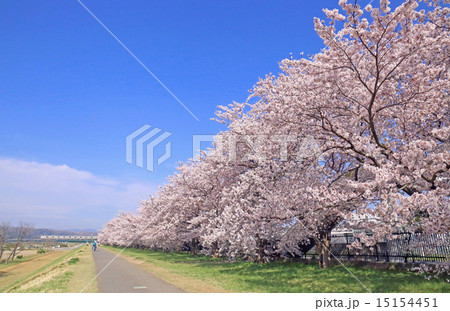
(122, 276)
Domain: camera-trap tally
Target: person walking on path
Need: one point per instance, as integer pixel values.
(94, 246)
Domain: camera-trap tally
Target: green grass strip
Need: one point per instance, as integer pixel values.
(287, 277)
(39, 271)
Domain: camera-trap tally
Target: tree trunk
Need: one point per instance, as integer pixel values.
(215, 250)
(2, 250)
(13, 253)
(323, 246)
(261, 250)
(4, 229)
(195, 246)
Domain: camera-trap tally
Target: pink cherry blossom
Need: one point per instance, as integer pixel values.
(374, 101)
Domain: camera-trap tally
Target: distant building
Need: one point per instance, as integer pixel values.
(70, 238)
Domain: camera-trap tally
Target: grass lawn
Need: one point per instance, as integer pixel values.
(66, 272)
(83, 271)
(25, 258)
(22, 269)
(288, 277)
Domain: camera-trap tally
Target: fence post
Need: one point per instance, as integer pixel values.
(376, 252)
(387, 256)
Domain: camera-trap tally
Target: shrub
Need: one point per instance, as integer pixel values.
(73, 260)
(41, 251)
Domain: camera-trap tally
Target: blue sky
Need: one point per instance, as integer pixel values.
(70, 94)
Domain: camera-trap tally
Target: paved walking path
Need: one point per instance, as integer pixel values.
(121, 276)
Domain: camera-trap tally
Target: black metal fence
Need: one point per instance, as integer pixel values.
(405, 247)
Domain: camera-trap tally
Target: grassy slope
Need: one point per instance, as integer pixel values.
(18, 271)
(67, 274)
(17, 261)
(283, 277)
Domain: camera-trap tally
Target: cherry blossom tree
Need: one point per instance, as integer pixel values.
(376, 101)
(358, 129)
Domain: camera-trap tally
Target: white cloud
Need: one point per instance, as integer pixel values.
(59, 196)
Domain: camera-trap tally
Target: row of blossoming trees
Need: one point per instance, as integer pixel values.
(359, 129)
